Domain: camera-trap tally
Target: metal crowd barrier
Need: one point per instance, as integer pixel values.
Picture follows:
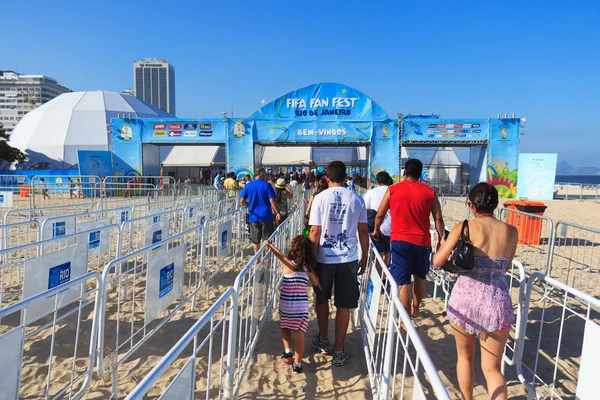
(143, 291)
(68, 338)
(394, 358)
(19, 233)
(535, 238)
(22, 266)
(122, 203)
(224, 241)
(454, 210)
(142, 210)
(557, 350)
(56, 189)
(138, 232)
(575, 257)
(213, 332)
(257, 288)
(14, 216)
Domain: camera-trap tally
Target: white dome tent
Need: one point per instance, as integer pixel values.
(74, 121)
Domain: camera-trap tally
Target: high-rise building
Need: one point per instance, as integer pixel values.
(154, 82)
(21, 93)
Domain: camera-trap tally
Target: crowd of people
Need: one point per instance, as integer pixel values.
(397, 217)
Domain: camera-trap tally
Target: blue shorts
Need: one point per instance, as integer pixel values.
(384, 245)
(409, 259)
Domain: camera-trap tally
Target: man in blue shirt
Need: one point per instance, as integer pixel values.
(259, 196)
(218, 182)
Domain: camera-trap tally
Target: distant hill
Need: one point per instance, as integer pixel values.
(564, 168)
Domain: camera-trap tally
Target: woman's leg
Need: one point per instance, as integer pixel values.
(286, 335)
(299, 346)
(492, 349)
(465, 370)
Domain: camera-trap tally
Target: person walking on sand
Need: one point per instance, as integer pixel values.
(373, 200)
(338, 221)
(44, 187)
(410, 203)
(480, 303)
(259, 196)
(293, 302)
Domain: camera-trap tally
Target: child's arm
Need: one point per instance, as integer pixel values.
(283, 259)
(314, 278)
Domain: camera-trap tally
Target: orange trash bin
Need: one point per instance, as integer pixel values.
(528, 226)
(24, 191)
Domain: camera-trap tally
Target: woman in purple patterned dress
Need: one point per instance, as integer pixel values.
(480, 303)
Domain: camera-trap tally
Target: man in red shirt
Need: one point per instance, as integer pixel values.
(410, 203)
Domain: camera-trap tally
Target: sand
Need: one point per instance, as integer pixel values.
(268, 378)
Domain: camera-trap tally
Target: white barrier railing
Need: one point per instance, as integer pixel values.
(575, 257)
(55, 189)
(23, 267)
(14, 216)
(223, 241)
(557, 350)
(220, 320)
(394, 359)
(144, 290)
(122, 203)
(19, 233)
(65, 328)
(137, 232)
(143, 210)
(257, 288)
(535, 233)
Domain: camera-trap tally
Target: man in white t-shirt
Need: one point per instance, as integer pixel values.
(338, 221)
(372, 201)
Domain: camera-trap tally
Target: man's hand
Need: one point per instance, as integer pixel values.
(377, 236)
(362, 265)
(277, 217)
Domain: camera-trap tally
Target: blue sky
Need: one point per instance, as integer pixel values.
(538, 59)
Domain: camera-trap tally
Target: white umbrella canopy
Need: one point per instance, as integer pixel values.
(75, 121)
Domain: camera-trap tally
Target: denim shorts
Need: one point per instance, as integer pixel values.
(409, 259)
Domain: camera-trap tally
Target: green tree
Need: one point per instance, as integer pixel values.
(8, 153)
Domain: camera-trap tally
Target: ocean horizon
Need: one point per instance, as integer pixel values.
(583, 179)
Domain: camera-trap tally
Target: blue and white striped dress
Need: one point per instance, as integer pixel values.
(293, 303)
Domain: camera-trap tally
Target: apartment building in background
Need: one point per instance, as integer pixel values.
(154, 83)
(21, 93)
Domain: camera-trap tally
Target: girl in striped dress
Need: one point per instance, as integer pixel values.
(293, 302)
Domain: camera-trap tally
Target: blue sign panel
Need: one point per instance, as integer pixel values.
(124, 216)
(95, 162)
(59, 229)
(94, 240)
(167, 275)
(156, 236)
(224, 240)
(450, 130)
(59, 275)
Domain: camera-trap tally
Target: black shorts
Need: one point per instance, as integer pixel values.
(343, 279)
(260, 231)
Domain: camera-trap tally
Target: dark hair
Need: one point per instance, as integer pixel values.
(323, 185)
(413, 168)
(248, 176)
(336, 171)
(260, 170)
(484, 198)
(383, 178)
(301, 253)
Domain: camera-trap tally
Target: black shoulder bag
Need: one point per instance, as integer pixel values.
(462, 258)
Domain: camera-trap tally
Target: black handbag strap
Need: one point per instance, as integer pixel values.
(464, 233)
